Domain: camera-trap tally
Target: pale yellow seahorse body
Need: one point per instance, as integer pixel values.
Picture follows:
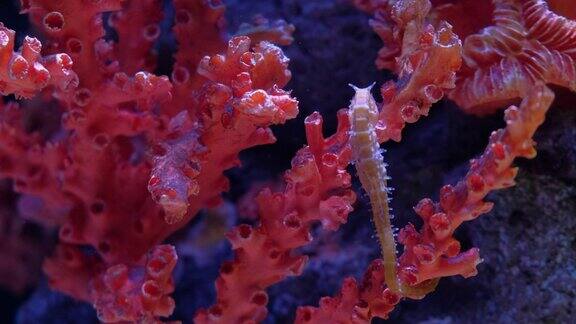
(371, 169)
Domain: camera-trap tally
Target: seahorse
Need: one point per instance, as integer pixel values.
(371, 168)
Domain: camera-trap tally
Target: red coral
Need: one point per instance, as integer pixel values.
(432, 252)
(339, 309)
(233, 112)
(71, 271)
(354, 304)
(527, 43)
(26, 72)
(130, 294)
(426, 71)
(126, 130)
(317, 189)
(76, 28)
(199, 30)
(424, 57)
(138, 28)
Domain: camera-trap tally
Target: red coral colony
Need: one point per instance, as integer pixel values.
(110, 162)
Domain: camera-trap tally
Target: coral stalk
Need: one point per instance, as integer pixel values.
(317, 190)
(426, 66)
(433, 252)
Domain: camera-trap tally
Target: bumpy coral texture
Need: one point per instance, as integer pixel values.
(405, 101)
(317, 190)
(424, 57)
(134, 294)
(433, 252)
(138, 154)
(25, 72)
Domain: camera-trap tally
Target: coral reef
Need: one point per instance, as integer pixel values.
(117, 175)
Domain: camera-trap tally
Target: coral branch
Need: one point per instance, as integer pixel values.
(138, 28)
(317, 189)
(354, 304)
(75, 27)
(26, 72)
(137, 294)
(427, 72)
(233, 112)
(425, 59)
(433, 252)
(199, 30)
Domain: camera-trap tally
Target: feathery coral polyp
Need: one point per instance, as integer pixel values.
(528, 43)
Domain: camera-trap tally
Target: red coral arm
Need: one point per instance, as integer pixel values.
(26, 72)
(317, 189)
(433, 252)
(76, 28)
(234, 111)
(426, 72)
(138, 28)
(142, 294)
(199, 31)
(354, 304)
(425, 59)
